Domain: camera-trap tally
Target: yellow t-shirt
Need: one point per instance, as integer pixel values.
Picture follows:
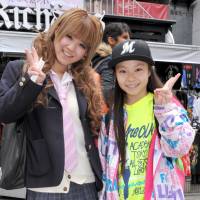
(139, 130)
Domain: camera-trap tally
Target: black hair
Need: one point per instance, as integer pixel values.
(114, 30)
(119, 96)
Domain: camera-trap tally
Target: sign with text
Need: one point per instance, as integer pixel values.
(32, 15)
(45, 3)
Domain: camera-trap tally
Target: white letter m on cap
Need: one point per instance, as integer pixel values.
(128, 47)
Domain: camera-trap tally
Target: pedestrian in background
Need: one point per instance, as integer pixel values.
(61, 105)
(114, 33)
(145, 133)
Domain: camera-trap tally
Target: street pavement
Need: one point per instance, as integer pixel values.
(20, 193)
(193, 196)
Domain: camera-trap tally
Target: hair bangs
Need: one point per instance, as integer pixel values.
(86, 31)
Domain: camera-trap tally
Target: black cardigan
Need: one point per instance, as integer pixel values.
(45, 140)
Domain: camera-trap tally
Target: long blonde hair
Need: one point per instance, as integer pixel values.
(88, 29)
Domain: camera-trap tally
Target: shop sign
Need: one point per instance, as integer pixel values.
(45, 3)
(15, 14)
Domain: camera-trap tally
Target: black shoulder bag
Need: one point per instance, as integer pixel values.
(13, 155)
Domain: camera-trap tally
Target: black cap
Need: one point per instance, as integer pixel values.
(131, 50)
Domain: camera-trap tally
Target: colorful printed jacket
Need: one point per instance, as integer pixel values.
(164, 179)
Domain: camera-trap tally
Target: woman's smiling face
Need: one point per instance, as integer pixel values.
(69, 50)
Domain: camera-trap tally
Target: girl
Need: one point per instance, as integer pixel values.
(61, 105)
(139, 157)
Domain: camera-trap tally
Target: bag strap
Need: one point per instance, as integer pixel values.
(99, 63)
(156, 122)
(107, 122)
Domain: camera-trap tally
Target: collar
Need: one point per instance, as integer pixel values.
(64, 80)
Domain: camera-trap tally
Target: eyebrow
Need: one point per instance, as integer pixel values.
(141, 64)
(121, 66)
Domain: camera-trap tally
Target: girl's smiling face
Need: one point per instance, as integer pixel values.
(132, 77)
(75, 36)
(69, 50)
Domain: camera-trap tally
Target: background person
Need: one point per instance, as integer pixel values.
(114, 33)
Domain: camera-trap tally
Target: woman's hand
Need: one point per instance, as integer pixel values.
(164, 95)
(34, 69)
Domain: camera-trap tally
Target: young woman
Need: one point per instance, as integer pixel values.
(61, 107)
(145, 133)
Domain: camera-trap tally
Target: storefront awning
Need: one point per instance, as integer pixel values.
(175, 53)
(17, 42)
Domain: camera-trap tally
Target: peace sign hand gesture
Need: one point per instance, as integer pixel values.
(35, 66)
(164, 95)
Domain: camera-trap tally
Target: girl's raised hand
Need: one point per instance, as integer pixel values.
(164, 95)
(34, 69)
